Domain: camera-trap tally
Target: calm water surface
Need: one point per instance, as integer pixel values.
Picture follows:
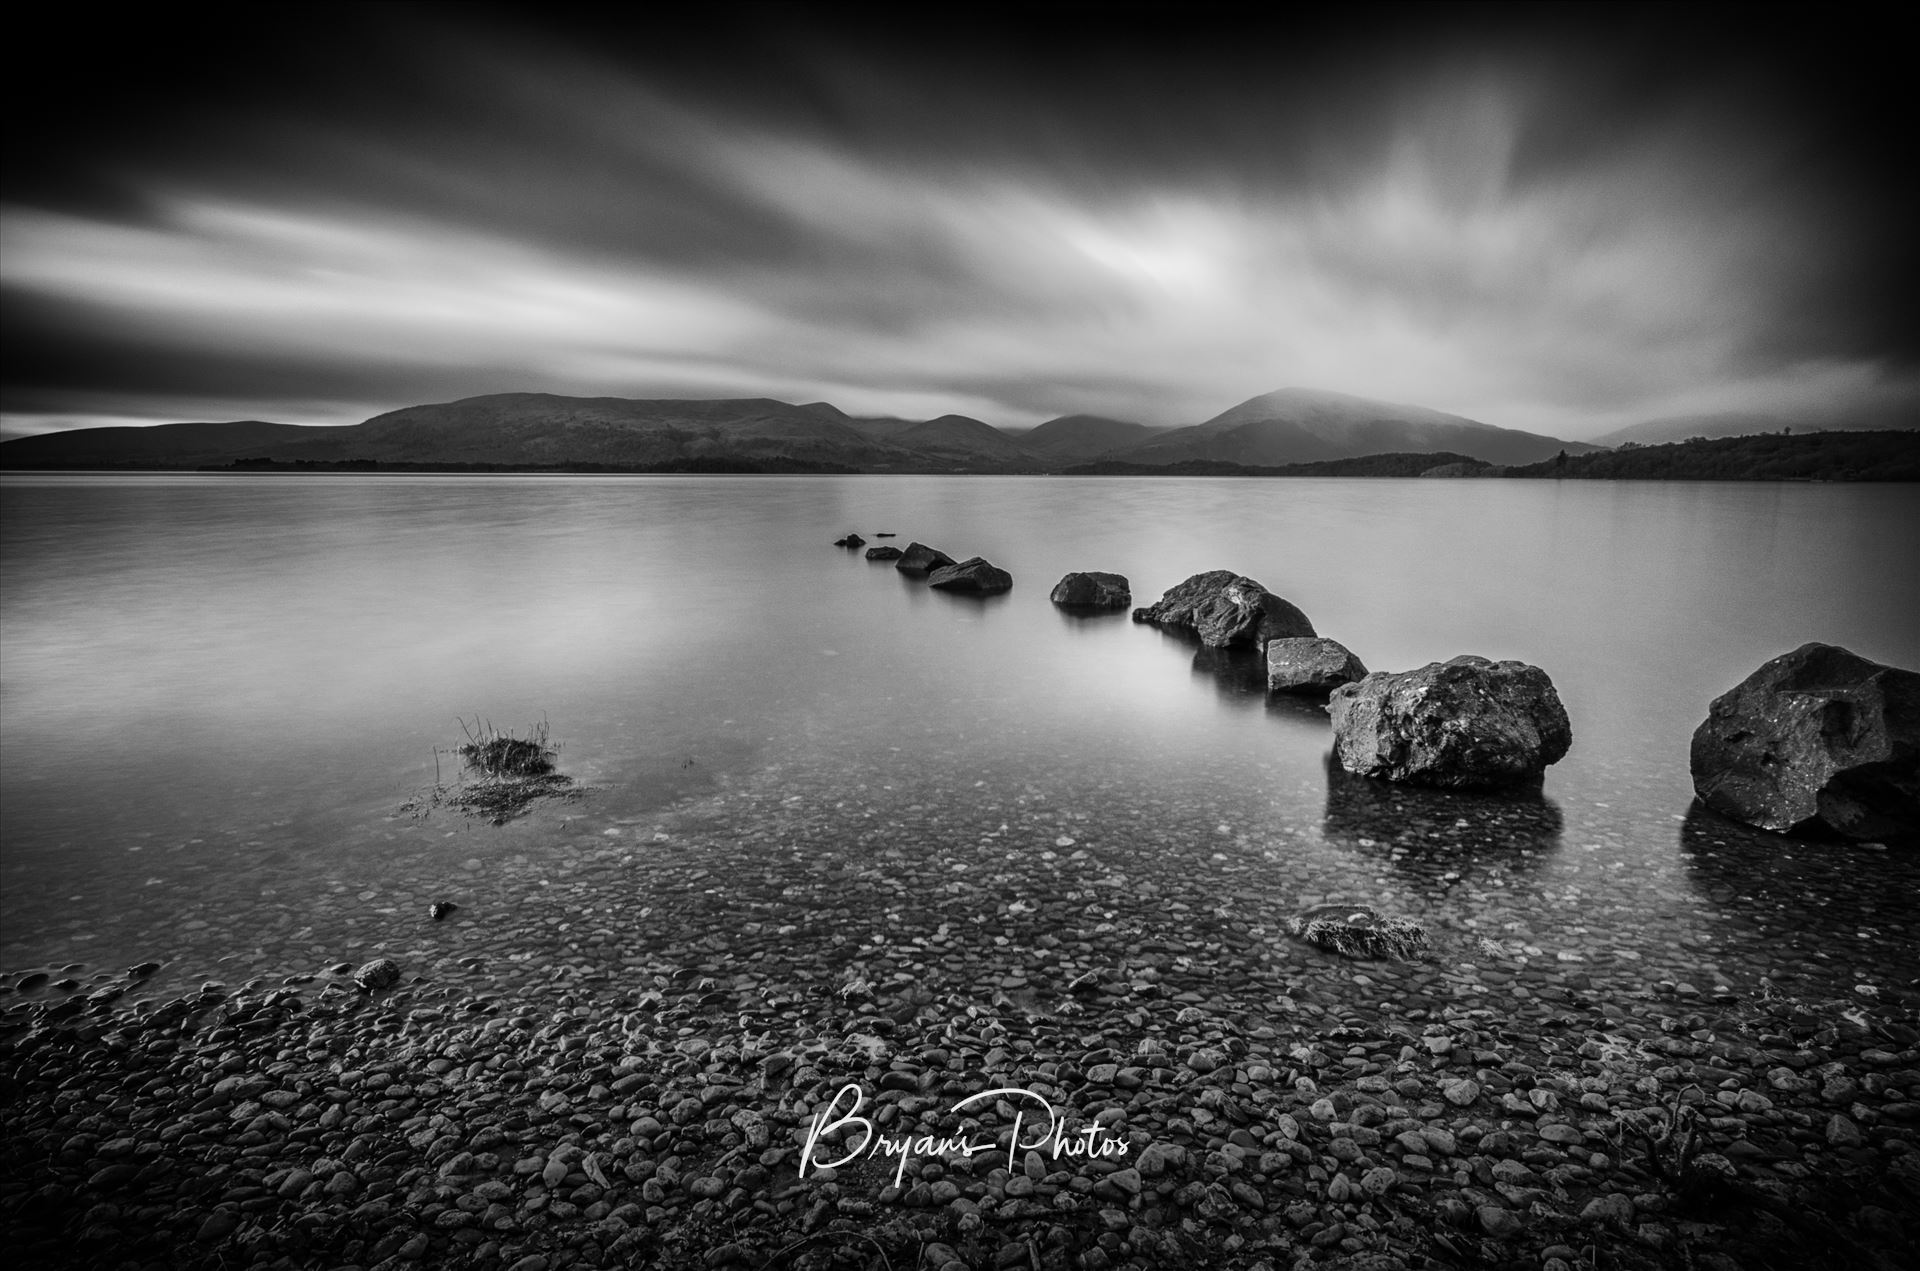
(219, 691)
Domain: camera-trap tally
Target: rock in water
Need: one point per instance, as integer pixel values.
(886, 551)
(1310, 664)
(1465, 722)
(1357, 931)
(850, 542)
(380, 973)
(920, 559)
(976, 574)
(440, 909)
(1817, 739)
(1224, 608)
(1093, 591)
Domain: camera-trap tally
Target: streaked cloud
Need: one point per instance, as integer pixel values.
(589, 225)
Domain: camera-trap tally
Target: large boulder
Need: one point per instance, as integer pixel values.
(1819, 739)
(1093, 591)
(1458, 724)
(1311, 665)
(921, 559)
(976, 574)
(1223, 608)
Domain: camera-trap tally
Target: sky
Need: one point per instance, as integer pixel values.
(1561, 219)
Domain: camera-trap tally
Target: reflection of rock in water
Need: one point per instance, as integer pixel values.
(1239, 674)
(1827, 897)
(1427, 833)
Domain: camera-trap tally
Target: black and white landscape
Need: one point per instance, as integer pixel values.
(1073, 637)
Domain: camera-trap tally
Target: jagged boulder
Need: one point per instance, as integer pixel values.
(1461, 723)
(1819, 739)
(1310, 665)
(886, 551)
(976, 574)
(1093, 591)
(921, 559)
(1223, 608)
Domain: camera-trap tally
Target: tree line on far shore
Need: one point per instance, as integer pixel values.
(1884, 455)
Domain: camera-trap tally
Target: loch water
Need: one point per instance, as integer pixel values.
(221, 696)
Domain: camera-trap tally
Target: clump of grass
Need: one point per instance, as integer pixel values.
(501, 774)
(497, 755)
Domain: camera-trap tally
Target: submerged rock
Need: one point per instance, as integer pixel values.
(850, 542)
(976, 574)
(886, 551)
(1465, 722)
(921, 559)
(380, 973)
(1224, 608)
(1358, 931)
(1310, 664)
(1817, 739)
(1093, 591)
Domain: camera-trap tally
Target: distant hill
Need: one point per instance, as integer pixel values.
(160, 446)
(956, 439)
(1302, 425)
(545, 432)
(1680, 427)
(1073, 437)
(541, 428)
(1880, 455)
(503, 430)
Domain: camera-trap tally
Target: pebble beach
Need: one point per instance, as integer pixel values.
(618, 1054)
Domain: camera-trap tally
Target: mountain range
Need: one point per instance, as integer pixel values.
(542, 430)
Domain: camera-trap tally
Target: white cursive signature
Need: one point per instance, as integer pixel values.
(1089, 1141)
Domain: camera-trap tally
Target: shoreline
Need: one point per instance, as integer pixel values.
(427, 1126)
(611, 1058)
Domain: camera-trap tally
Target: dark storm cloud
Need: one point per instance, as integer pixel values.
(1563, 224)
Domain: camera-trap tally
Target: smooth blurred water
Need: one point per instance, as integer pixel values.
(217, 691)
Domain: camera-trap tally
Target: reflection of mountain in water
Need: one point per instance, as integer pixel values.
(1827, 897)
(1427, 833)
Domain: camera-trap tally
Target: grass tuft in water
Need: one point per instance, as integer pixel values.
(502, 775)
(496, 755)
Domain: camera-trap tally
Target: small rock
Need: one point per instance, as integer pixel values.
(975, 574)
(1092, 591)
(1379, 1180)
(921, 559)
(378, 974)
(1614, 1207)
(1226, 609)
(1311, 665)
